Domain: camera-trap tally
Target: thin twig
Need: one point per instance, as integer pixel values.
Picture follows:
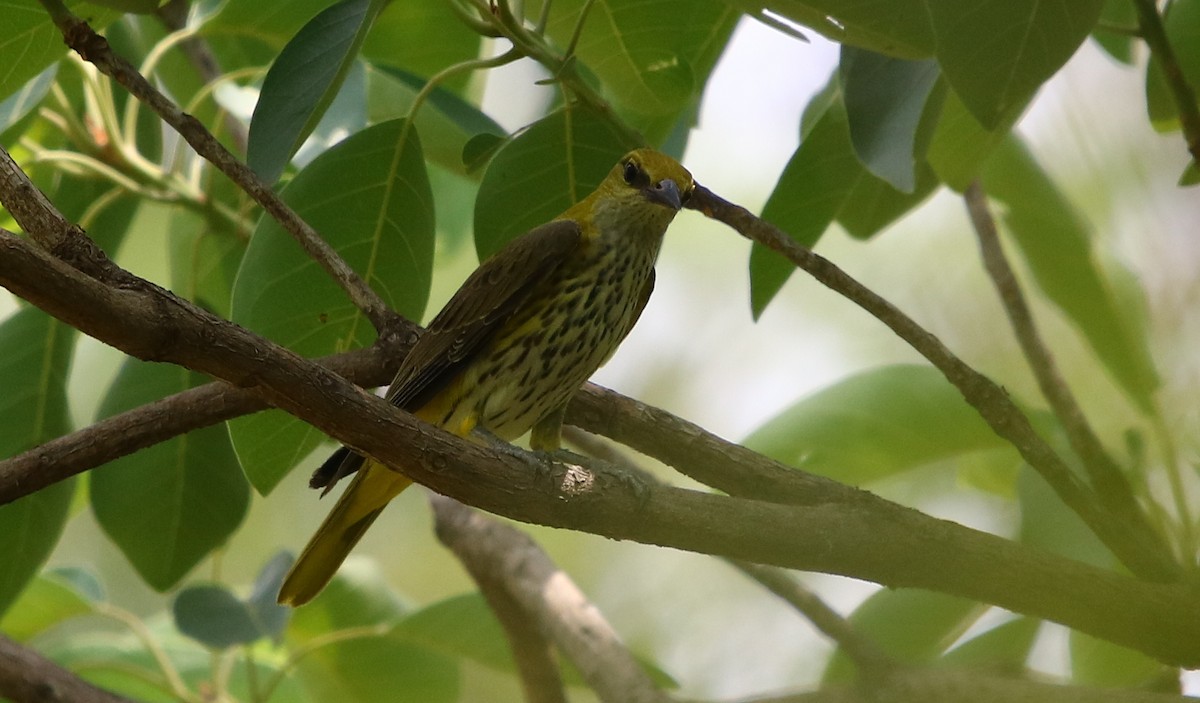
(548, 596)
(872, 662)
(1152, 31)
(1142, 552)
(95, 49)
(1109, 482)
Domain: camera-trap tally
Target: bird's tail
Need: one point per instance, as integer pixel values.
(373, 486)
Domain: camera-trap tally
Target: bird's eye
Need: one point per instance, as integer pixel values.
(632, 172)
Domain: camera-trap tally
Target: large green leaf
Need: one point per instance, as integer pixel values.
(1049, 524)
(1004, 648)
(464, 627)
(16, 107)
(1055, 241)
(652, 56)
(875, 424)
(824, 180)
(369, 197)
(1097, 662)
(47, 601)
(897, 28)
(910, 625)
(374, 666)
(960, 145)
(273, 23)
(169, 505)
(401, 38)
(303, 82)
(885, 98)
(547, 168)
(35, 354)
(997, 54)
(30, 42)
(446, 122)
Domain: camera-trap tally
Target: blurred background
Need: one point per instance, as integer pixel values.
(698, 353)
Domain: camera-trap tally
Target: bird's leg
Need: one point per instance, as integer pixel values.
(547, 431)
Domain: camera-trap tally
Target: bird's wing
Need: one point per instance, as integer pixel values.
(480, 306)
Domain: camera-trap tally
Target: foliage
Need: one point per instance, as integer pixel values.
(367, 120)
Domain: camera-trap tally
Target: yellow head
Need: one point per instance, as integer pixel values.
(638, 198)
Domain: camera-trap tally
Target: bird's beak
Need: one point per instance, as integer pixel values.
(666, 193)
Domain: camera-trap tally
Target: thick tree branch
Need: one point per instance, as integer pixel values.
(1109, 482)
(28, 677)
(513, 565)
(1142, 551)
(863, 537)
(175, 415)
(94, 48)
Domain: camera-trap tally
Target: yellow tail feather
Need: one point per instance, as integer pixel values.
(372, 488)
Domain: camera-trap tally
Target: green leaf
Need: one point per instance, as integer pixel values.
(810, 192)
(1099, 663)
(167, 506)
(375, 669)
(369, 197)
(550, 166)
(357, 597)
(652, 57)
(47, 601)
(464, 627)
(139, 7)
(400, 38)
(17, 106)
(204, 260)
(213, 616)
(1004, 648)
(960, 145)
(274, 23)
(1182, 24)
(875, 424)
(897, 28)
(1119, 45)
(910, 625)
(1049, 524)
(375, 665)
(1055, 241)
(997, 54)
(872, 206)
(303, 82)
(35, 354)
(270, 617)
(1190, 175)
(885, 99)
(30, 41)
(447, 123)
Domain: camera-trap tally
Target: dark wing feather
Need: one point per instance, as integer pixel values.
(480, 306)
(484, 301)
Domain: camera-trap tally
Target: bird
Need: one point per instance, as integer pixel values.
(511, 347)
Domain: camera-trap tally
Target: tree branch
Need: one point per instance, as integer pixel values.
(1150, 26)
(1142, 552)
(511, 564)
(871, 661)
(1108, 481)
(919, 551)
(95, 49)
(28, 677)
